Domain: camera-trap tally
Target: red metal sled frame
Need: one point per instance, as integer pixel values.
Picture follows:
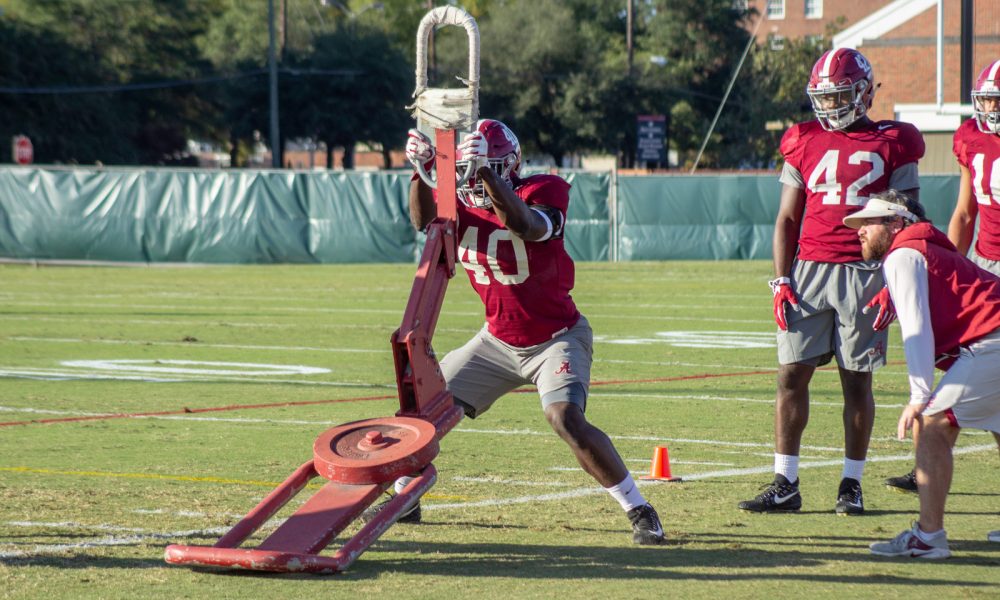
(295, 545)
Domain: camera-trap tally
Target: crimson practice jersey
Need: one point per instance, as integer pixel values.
(840, 170)
(980, 153)
(524, 285)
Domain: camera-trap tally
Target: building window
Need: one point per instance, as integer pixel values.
(777, 42)
(775, 9)
(814, 9)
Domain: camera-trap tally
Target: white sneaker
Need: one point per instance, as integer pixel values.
(993, 536)
(909, 544)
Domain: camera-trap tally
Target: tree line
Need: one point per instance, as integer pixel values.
(129, 82)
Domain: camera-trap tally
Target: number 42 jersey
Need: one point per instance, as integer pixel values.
(839, 170)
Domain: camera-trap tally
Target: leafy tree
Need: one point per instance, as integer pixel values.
(63, 128)
(352, 87)
(133, 42)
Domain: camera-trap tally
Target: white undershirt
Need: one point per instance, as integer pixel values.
(906, 275)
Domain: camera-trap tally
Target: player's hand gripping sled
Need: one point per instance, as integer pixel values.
(362, 459)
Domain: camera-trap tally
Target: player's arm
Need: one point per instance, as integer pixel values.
(906, 276)
(423, 209)
(787, 227)
(520, 219)
(963, 220)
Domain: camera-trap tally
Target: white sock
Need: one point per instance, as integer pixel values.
(627, 493)
(401, 483)
(853, 469)
(928, 537)
(787, 465)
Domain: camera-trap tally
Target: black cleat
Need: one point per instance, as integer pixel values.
(410, 515)
(779, 496)
(906, 484)
(849, 499)
(646, 528)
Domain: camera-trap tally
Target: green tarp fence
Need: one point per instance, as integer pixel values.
(166, 215)
(722, 216)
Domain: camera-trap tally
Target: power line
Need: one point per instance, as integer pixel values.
(155, 85)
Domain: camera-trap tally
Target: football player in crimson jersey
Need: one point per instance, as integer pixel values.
(510, 232)
(824, 290)
(977, 147)
(949, 316)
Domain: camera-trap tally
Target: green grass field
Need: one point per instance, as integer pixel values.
(109, 460)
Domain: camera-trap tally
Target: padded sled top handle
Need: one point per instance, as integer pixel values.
(447, 15)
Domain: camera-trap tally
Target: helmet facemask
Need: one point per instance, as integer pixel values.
(838, 106)
(473, 193)
(987, 120)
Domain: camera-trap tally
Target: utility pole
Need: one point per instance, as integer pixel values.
(628, 33)
(272, 68)
(966, 43)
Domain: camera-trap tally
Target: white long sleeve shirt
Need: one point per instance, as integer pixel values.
(905, 272)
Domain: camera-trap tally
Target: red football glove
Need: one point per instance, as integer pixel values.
(783, 294)
(886, 309)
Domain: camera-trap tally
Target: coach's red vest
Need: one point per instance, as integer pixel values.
(964, 299)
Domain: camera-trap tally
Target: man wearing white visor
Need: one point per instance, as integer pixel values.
(949, 313)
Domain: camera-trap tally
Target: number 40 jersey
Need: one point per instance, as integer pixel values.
(525, 286)
(839, 170)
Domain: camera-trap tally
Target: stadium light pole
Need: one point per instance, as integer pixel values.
(272, 68)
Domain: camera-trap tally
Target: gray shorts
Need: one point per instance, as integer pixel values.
(829, 321)
(484, 369)
(971, 387)
(993, 266)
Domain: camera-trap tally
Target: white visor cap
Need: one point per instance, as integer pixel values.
(876, 209)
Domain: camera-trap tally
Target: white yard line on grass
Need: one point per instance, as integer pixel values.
(101, 542)
(589, 491)
(52, 375)
(183, 309)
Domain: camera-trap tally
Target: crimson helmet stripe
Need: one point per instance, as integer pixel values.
(990, 83)
(828, 64)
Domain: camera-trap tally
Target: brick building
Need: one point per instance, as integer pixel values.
(900, 38)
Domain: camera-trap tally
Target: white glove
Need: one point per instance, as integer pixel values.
(419, 150)
(474, 148)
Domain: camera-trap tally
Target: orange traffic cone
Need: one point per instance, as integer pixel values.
(660, 468)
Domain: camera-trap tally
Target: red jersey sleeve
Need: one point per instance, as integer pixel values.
(792, 146)
(960, 142)
(549, 190)
(909, 145)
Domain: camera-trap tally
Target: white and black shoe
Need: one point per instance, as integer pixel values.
(780, 495)
(849, 499)
(646, 527)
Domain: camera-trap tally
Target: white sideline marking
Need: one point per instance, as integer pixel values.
(183, 367)
(184, 308)
(186, 513)
(685, 318)
(199, 345)
(50, 375)
(492, 481)
(720, 399)
(730, 340)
